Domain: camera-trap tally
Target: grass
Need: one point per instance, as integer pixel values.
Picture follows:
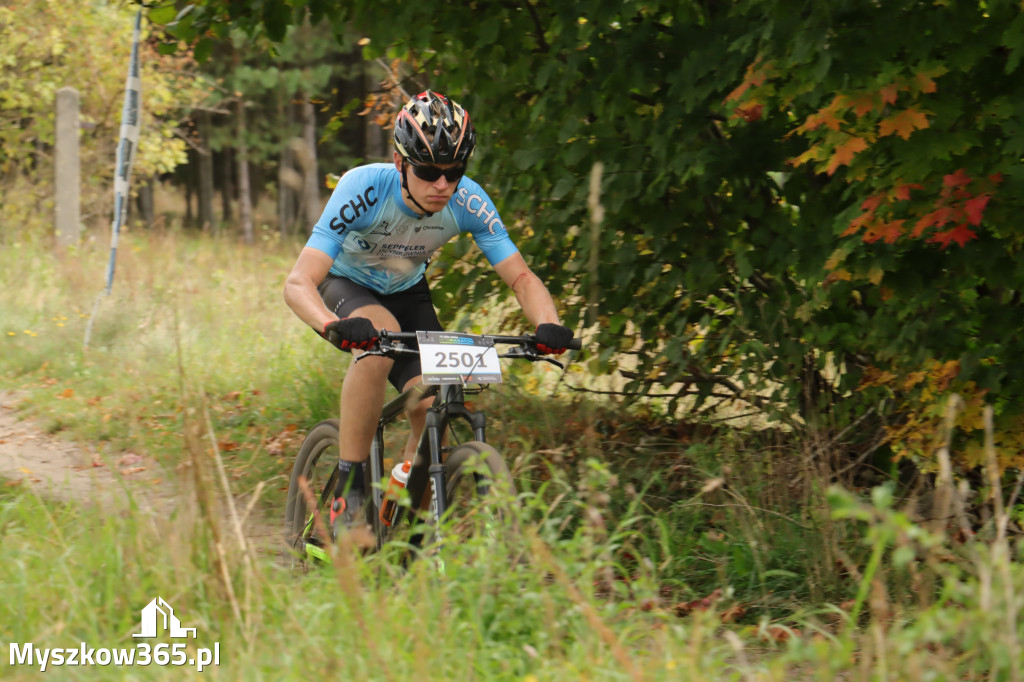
(654, 551)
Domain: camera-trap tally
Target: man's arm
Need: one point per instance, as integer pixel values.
(533, 296)
(300, 288)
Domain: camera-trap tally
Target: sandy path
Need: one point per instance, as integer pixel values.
(78, 471)
(51, 465)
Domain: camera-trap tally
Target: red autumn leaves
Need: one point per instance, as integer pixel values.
(852, 123)
(961, 203)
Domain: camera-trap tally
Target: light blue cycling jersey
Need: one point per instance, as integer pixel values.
(378, 242)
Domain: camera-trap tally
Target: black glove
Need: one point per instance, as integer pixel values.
(553, 338)
(351, 333)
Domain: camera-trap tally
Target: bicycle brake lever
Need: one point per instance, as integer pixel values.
(527, 354)
(368, 353)
(385, 348)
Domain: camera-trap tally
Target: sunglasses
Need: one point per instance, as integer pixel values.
(432, 173)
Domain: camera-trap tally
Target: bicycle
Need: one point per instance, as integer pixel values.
(458, 475)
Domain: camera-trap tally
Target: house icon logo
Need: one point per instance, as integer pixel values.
(157, 613)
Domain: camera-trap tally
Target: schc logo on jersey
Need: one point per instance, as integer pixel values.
(490, 217)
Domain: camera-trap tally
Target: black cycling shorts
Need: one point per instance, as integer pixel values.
(413, 308)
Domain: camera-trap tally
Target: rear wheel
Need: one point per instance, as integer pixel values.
(317, 462)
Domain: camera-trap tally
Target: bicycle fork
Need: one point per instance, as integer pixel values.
(437, 419)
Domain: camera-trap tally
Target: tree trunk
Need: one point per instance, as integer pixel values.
(244, 191)
(311, 206)
(146, 202)
(226, 187)
(373, 137)
(189, 183)
(285, 174)
(205, 208)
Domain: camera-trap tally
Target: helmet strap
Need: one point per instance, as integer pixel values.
(405, 186)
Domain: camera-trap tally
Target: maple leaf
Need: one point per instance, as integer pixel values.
(737, 92)
(872, 202)
(903, 123)
(925, 83)
(755, 76)
(816, 152)
(889, 93)
(891, 231)
(845, 152)
(903, 191)
(863, 103)
(749, 113)
(960, 234)
(956, 179)
(863, 220)
(939, 216)
(837, 257)
(827, 116)
(840, 275)
(975, 207)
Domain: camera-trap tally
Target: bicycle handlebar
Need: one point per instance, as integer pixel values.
(524, 339)
(527, 346)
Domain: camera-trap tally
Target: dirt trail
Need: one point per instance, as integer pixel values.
(80, 472)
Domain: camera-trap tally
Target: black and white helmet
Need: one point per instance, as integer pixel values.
(431, 128)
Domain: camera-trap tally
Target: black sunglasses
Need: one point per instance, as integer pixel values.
(432, 173)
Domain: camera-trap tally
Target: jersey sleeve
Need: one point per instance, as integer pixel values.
(475, 213)
(352, 207)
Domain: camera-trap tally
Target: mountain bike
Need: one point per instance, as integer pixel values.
(459, 478)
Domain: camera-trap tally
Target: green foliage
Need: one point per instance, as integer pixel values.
(792, 195)
(86, 47)
(305, 67)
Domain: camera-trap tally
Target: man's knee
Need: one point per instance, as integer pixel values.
(416, 405)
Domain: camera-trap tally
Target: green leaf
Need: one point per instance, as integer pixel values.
(162, 15)
(564, 185)
(203, 49)
(525, 159)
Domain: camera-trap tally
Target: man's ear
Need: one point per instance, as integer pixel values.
(398, 161)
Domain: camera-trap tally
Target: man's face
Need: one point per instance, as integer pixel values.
(432, 195)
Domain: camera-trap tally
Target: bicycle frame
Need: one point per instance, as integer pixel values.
(428, 463)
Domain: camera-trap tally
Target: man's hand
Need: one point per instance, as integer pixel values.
(553, 339)
(351, 333)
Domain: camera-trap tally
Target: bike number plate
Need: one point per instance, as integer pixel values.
(456, 358)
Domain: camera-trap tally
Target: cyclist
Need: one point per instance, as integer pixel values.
(363, 270)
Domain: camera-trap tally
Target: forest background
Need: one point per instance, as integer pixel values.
(804, 211)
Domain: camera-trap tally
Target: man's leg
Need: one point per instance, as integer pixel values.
(362, 398)
(363, 391)
(416, 409)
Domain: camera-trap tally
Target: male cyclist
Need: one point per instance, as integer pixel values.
(363, 270)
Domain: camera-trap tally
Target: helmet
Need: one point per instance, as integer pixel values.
(431, 128)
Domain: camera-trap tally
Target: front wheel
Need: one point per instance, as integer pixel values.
(481, 494)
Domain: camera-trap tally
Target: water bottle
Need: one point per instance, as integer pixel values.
(399, 477)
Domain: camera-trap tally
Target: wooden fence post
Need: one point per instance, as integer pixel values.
(67, 174)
